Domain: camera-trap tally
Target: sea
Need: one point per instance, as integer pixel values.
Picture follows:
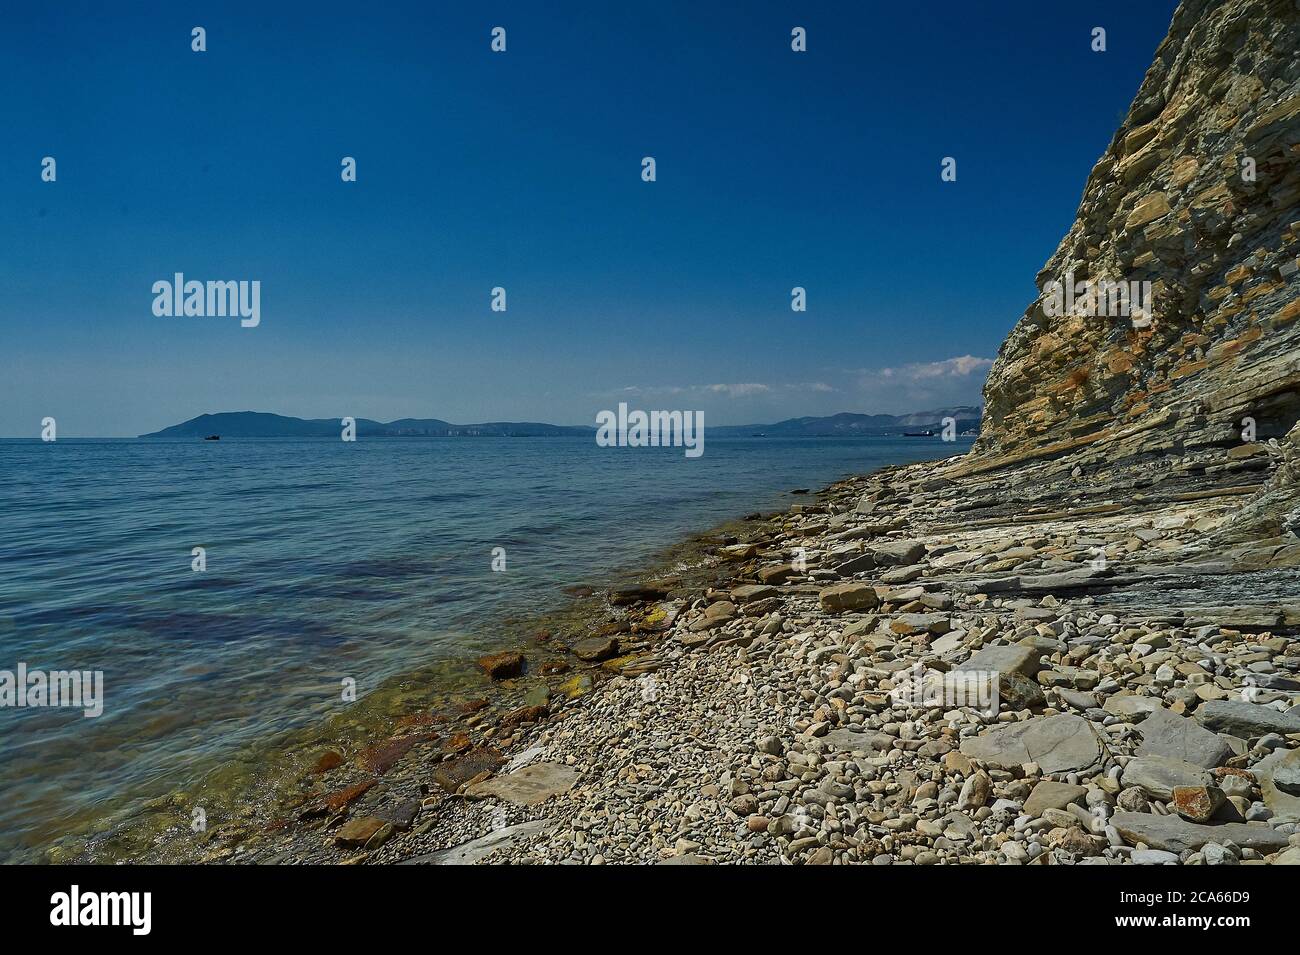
(321, 562)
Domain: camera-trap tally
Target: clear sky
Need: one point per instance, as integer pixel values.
(522, 169)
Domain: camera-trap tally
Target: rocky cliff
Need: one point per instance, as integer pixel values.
(1198, 196)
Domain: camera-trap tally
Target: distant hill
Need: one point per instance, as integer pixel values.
(847, 424)
(261, 424)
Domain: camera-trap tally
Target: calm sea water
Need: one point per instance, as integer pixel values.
(324, 560)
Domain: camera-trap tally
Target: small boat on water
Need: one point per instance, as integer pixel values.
(213, 437)
(918, 434)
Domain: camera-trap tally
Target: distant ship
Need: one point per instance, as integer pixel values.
(213, 437)
(918, 434)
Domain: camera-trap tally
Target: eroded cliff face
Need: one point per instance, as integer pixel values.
(1199, 195)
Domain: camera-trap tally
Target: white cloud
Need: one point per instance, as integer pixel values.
(960, 367)
(738, 391)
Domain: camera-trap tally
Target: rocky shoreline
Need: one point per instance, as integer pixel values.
(764, 711)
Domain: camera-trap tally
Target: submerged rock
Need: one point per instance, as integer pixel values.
(502, 666)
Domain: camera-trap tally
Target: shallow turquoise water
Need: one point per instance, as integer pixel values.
(325, 560)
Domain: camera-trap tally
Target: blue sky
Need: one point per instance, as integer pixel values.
(522, 170)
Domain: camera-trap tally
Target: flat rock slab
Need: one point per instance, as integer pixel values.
(1246, 720)
(775, 575)
(934, 623)
(843, 597)
(1178, 835)
(1059, 744)
(528, 786)
(468, 853)
(857, 565)
(948, 642)
(1052, 795)
(748, 593)
(1165, 733)
(902, 575)
(1265, 618)
(1130, 707)
(1079, 699)
(357, 832)
(1012, 659)
(1158, 776)
(899, 552)
(1068, 580)
(595, 649)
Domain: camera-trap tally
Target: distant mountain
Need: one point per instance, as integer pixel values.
(260, 424)
(847, 424)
